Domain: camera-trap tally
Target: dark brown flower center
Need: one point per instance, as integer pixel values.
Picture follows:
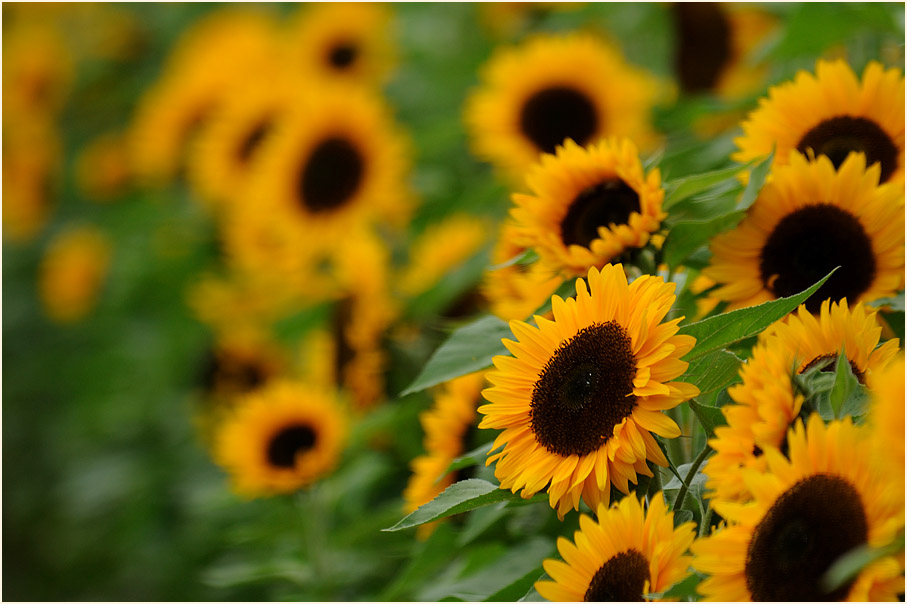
(610, 202)
(584, 390)
(287, 444)
(344, 353)
(703, 44)
(827, 362)
(809, 242)
(809, 527)
(343, 55)
(620, 579)
(331, 175)
(555, 114)
(252, 141)
(838, 136)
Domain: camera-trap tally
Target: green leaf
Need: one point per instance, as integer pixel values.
(845, 383)
(513, 573)
(469, 348)
(532, 595)
(467, 460)
(719, 331)
(687, 237)
(684, 589)
(527, 256)
(712, 371)
(895, 304)
(682, 188)
(755, 183)
(709, 417)
(681, 516)
(460, 497)
(848, 566)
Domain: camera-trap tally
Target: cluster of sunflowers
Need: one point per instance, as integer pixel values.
(707, 362)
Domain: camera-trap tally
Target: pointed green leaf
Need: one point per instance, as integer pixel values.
(845, 383)
(720, 331)
(467, 460)
(687, 237)
(755, 183)
(469, 348)
(682, 188)
(712, 371)
(848, 566)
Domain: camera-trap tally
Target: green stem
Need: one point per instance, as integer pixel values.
(311, 510)
(704, 525)
(682, 492)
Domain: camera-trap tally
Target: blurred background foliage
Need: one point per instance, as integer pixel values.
(108, 493)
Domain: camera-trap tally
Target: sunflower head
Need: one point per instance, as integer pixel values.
(589, 205)
(808, 219)
(803, 514)
(72, 273)
(549, 89)
(767, 400)
(581, 394)
(833, 114)
(102, 170)
(343, 42)
(31, 162)
(624, 555)
(280, 439)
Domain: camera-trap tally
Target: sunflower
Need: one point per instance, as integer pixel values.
(886, 419)
(31, 165)
(549, 89)
(440, 248)
(805, 512)
(226, 146)
(347, 42)
(589, 205)
(807, 220)
(102, 168)
(338, 161)
(517, 290)
(211, 59)
(508, 19)
(581, 394)
(626, 554)
(768, 402)
(446, 425)
(280, 439)
(833, 114)
(72, 273)
(37, 71)
(713, 42)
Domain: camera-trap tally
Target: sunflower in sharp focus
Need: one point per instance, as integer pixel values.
(226, 147)
(807, 220)
(445, 425)
(535, 96)
(581, 395)
(280, 439)
(833, 114)
(768, 402)
(72, 273)
(338, 162)
(627, 554)
(713, 41)
(441, 248)
(806, 512)
(517, 290)
(347, 42)
(589, 205)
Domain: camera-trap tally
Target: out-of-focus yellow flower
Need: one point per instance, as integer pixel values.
(72, 273)
(37, 72)
(31, 156)
(102, 168)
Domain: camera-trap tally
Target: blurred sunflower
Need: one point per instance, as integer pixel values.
(218, 53)
(440, 248)
(509, 19)
(517, 290)
(549, 89)
(581, 394)
(31, 166)
(280, 439)
(589, 205)
(713, 42)
(803, 515)
(222, 154)
(833, 114)
(886, 419)
(445, 425)
(768, 402)
(338, 162)
(72, 273)
(37, 71)
(347, 42)
(102, 167)
(807, 220)
(624, 556)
